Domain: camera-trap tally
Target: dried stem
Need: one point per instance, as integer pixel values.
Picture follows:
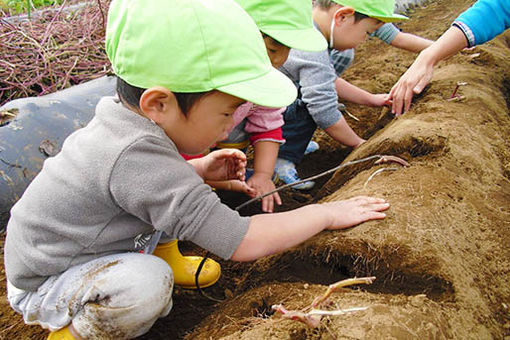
(313, 317)
(56, 49)
(381, 159)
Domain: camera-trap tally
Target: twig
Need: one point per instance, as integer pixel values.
(102, 13)
(351, 115)
(382, 159)
(377, 172)
(313, 317)
(456, 99)
(344, 283)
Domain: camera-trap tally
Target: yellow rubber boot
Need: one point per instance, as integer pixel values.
(61, 334)
(184, 268)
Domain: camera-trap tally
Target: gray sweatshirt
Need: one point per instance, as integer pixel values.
(314, 75)
(113, 183)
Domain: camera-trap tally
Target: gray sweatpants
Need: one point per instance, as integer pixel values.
(114, 297)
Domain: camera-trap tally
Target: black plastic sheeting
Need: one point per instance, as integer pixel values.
(38, 131)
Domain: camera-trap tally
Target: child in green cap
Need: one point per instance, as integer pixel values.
(284, 24)
(72, 252)
(344, 24)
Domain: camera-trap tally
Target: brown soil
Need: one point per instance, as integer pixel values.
(441, 257)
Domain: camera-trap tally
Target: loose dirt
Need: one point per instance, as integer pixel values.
(442, 255)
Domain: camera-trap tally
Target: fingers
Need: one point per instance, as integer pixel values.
(268, 204)
(421, 85)
(230, 153)
(408, 98)
(396, 106)
(277, 198)
(373, 215)
(240, 186)
(367, 199)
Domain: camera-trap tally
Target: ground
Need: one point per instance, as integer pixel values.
(441, 257)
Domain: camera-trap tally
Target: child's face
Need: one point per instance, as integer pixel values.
(207, 122)
(277, 52)
(349, 34)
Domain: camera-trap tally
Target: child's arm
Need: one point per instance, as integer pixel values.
(264, 126)
(343, 133)
(272, 233)
(221, 165)
(264, 159)
(354, 94)
(406, 41)
(410, 42)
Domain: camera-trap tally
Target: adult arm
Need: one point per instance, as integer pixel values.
(469, 29)
(484, 21)
(414, 80)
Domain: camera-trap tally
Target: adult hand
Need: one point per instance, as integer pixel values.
(412, 82)
(262, 184)
(420, 73)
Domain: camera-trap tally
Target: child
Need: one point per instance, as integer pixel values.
(345, 24)
(477, 25)
(389, 34)
(284, 24)
(72, 256)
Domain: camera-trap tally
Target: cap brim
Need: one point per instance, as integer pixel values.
(273, 89)
(393, 18)
(307, 40)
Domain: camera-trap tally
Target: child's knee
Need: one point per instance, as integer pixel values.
(142, 291)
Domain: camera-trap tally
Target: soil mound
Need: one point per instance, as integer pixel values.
(442, 255)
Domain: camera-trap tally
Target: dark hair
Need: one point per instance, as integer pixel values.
(326, 4)
(276, 42)
(131, 95)
(359, 16)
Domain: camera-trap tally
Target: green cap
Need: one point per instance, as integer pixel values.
(287, 21)
(193, 46)
(378, 9)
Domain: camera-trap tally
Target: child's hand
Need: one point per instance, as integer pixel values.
(381, 99)
(351, 212)
(233, 185)
(221, 165)
(262, 183)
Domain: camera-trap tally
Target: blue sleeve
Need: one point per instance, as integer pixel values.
(484, 20)
(386, 33)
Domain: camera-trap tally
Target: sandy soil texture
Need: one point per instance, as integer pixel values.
(442, 255)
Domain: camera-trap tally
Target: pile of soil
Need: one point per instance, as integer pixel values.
(442, 255)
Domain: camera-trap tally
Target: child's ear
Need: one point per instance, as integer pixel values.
(343, 12)
(157, 101)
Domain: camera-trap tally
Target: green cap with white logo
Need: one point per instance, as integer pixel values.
(383, 10)
(193, 46)
(287, 21)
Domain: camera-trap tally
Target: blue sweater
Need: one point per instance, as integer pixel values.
(484, 20)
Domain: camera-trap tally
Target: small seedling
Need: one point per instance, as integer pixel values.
(454, 94)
